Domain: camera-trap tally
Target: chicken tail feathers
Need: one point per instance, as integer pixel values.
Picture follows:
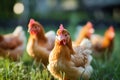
(20, 33)
(85, 47)
(87, 72)
(86, 43)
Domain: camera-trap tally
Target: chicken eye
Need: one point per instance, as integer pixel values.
(65, 35)
(35, 27)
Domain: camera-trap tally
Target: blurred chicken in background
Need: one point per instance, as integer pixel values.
(13, 45)
(103, 45)
(40, 43)
(85, 32)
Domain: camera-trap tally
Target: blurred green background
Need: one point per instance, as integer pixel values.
(101, 13)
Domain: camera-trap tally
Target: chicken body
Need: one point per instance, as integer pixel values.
(103, 45)
(13, 45)
(66, 63)
(39, 44)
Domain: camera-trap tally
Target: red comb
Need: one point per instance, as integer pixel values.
(61, 27)
(89, 24)
(111, 28)
(32, 21)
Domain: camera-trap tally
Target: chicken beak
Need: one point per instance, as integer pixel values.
(28, 29)
(60, 37)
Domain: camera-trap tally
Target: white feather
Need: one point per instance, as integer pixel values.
(20, 32)
(86, 43)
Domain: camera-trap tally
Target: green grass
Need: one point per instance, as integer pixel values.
(27, 69)
(20, 71)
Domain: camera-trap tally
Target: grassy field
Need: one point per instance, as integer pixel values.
(27, 69)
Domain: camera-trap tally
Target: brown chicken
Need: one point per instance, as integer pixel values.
(39, 44)
(66, 63)
(85, 32)
(12, 45)
(103, 45)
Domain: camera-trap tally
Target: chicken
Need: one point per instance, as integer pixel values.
(12, 45)
(103, 45)
(68, 63)
(85, 32)
(40, 43)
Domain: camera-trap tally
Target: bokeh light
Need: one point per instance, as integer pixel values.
(18, 8)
